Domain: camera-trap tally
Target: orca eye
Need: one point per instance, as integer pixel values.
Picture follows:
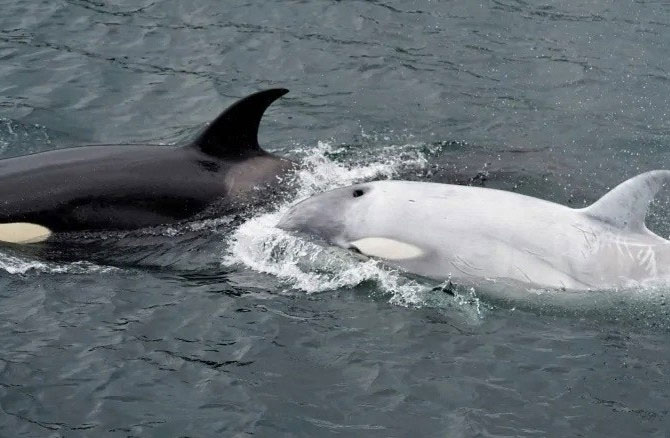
(357, 193)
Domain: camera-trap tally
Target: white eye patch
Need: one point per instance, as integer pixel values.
(23, 232)
(388, 249)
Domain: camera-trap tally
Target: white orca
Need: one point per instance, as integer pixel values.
(470, 234)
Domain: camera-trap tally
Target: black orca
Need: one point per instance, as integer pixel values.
(126, 187)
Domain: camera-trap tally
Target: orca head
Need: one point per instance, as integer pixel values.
(359, 218)
(337, 216)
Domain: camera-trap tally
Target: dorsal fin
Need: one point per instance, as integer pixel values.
(234, 134)
(626, 205)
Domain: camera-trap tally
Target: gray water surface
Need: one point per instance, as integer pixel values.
(231, 328)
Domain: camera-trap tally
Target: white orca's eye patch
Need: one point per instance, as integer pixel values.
(358, 193)
(385, 248)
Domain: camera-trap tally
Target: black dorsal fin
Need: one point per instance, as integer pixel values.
(234, 134)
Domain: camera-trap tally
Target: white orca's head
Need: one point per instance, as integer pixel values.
(358, 217)
(329, 215)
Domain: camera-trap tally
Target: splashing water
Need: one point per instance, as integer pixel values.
(20, 139)
(319, 172)
(312, 268)
(19, 266)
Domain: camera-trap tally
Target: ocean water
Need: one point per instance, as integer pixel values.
(229, 327)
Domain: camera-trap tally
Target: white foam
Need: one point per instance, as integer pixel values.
(18, 266)
(204, 224)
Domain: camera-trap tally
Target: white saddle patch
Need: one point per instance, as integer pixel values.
(23, 232)
(388, 249)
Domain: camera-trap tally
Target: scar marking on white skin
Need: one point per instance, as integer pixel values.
(643, 255)
(589, 237)
(463, 266)
(523, 273)
(461, 270)
(647, 259)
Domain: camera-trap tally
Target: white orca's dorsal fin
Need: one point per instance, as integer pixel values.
(626, 205)
(234, 133)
